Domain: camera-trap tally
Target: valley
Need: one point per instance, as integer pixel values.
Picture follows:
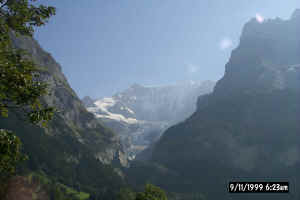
(180, 141)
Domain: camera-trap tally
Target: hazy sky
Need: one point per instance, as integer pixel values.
(104, 46)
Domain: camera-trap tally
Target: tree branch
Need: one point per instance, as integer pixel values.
(4, 4)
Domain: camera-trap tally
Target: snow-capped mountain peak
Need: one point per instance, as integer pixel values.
(103, 109)
(140, 114)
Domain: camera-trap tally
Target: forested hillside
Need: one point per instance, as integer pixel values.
(73, 149)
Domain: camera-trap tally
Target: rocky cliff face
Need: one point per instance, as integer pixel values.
(170, 103)
(75, 148)
(266, 59)
(249, 126)
(82, 125)
(140, 114)
(87, 101)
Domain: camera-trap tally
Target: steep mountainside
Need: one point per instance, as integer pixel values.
(249, 126)
(75, 148)
(140, 114)
(87, 101)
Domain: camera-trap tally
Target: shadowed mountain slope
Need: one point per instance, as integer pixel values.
(248, 127)
(75, 148)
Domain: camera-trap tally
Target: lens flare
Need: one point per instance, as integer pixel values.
(226, 43)
(259, 18)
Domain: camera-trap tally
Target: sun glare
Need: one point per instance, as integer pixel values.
(259, 18)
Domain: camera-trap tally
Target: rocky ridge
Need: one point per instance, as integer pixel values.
(140, 114)
(249, 125)
(75, 148)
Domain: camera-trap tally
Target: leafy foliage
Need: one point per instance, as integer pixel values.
(10, 146)
(76, 167)
(126, 194)
(22, 15)
(20, 87)
(151, 192)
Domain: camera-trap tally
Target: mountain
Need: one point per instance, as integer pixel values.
(141, 113)
(247, 129)
(87, 101)
(75, 149)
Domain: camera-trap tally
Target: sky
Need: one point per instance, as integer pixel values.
(104, 46)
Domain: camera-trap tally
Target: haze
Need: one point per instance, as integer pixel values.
(104, 46)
